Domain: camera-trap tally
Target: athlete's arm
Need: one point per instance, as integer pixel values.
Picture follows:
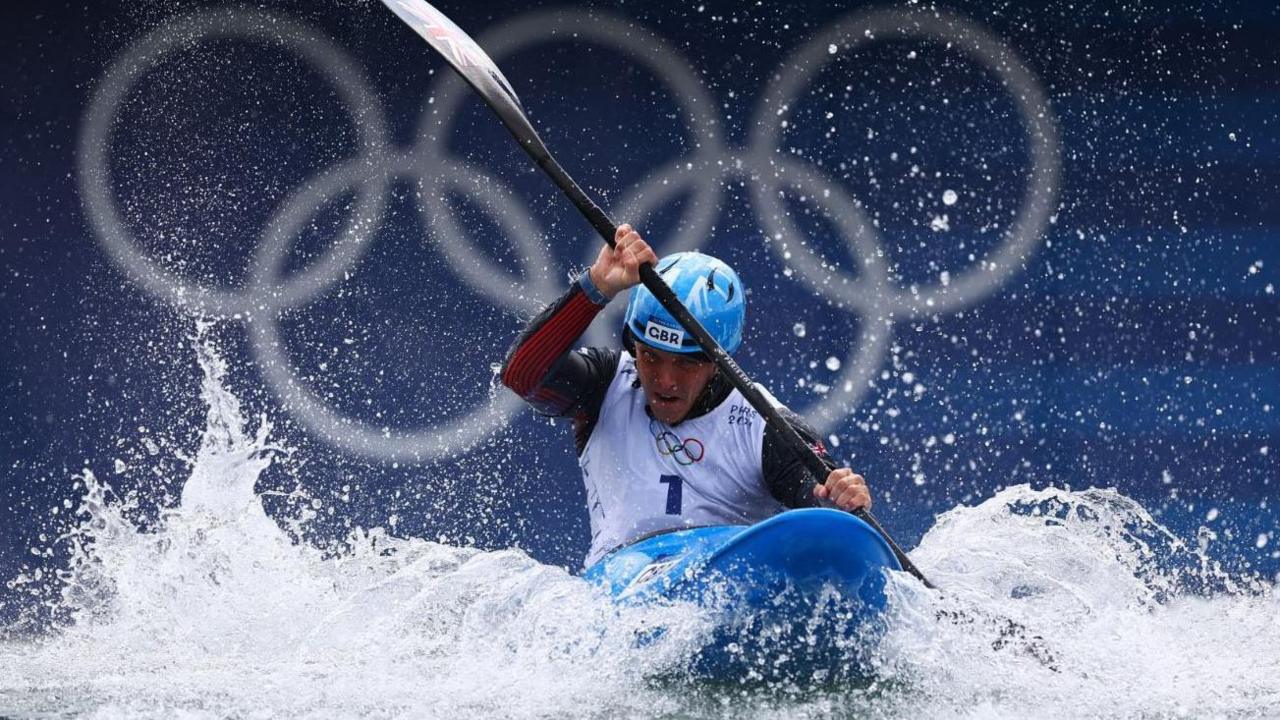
(792, 484)
(784, 472)
(540, 367)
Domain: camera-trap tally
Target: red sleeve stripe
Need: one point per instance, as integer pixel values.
(535, 356)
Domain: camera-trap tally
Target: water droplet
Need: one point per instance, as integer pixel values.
(949, 197)
(799, 329)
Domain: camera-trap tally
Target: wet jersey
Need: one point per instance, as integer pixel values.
(644, 477)
(747, 471)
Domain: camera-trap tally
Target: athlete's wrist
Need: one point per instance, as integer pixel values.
(592, 288)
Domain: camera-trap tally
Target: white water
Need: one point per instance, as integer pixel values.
(219, 613)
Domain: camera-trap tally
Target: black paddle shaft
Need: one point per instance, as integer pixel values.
(607, 229)
(479, 71)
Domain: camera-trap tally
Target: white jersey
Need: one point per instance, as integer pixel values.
(643, 476)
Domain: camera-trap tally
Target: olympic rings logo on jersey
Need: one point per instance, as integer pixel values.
(873, 294)
(685, 451)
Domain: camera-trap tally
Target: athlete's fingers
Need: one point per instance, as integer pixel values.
(830, 488)
(627, 238)
(646, 253)
(853, 498)
(847, 489)
(629, 258)
(858, 495)
(637, 251)
(837, 479)
(631, 241)
(845, 498)
(620, 245)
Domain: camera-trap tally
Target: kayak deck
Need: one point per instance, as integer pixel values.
(794, 594)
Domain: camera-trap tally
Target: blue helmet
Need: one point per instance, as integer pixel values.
(708, 287)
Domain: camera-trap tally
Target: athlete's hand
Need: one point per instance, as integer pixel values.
(618, 268)
(846, 489)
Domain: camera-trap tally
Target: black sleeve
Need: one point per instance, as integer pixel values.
(583, 374)
(785, 474)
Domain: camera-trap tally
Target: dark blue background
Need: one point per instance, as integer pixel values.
(1137, 347)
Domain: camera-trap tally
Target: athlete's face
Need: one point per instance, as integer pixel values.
(671, 382)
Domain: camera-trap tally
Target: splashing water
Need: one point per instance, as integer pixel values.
(220, 612)
(1138, 623)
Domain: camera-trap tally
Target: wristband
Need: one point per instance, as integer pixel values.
(588, 287)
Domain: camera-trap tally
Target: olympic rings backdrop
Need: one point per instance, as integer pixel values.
(982, 247)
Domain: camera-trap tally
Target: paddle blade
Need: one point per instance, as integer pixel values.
(476, 67)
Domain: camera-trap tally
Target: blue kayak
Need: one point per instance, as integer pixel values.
(800, 595)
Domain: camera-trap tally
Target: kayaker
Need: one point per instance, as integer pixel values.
(664, 441)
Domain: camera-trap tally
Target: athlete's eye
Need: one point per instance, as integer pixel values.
(688, 363)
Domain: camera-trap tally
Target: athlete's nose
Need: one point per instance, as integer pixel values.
(667, 379)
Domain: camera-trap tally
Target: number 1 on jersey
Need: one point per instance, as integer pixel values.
(675, 494)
